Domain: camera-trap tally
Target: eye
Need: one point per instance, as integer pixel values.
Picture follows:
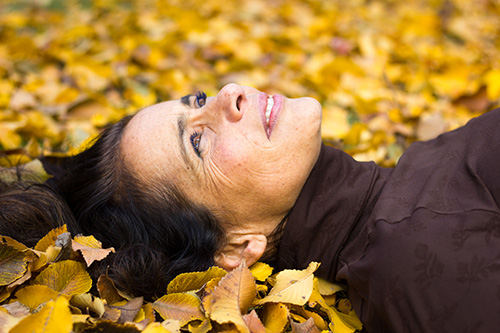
(195, 142)
(201, 99)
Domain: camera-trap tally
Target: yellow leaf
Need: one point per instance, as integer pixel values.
(9, 139)
(292, 286)
(261, 271)
(334, 124)
(318, 320)
(172, 325)
(12, 242)
(50, 239)
(194, 280)
(202, 327)
(275, 317)
(54, 317)
(88, 302)
(328, 288)
(341, 322)
(90, 248)
(184, 307)
(12, 264)
(52, 253)
(492, 79)
(68, 277)
(33, 296)
(233, 296)
(155, 327)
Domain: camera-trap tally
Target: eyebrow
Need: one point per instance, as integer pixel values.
(181, 125)
(185, 99)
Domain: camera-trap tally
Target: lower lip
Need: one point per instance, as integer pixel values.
(275, 112)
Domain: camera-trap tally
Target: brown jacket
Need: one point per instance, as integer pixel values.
(419, 245)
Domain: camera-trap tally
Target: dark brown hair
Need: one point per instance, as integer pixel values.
(156, 231)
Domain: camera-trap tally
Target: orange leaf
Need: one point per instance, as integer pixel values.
(90, 248)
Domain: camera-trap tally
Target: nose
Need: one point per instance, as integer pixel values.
(232, 98)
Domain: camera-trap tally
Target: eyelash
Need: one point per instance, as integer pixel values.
(195, 142)
(200, 101)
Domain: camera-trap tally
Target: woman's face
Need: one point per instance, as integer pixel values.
(225, 153)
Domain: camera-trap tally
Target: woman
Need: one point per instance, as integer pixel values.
(241, 175)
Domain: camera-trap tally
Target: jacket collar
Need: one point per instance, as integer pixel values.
(336, 197)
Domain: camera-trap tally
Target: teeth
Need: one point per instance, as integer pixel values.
(270, 103)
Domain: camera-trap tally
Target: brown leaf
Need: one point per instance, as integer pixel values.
(129, 310)
(16, 309)
(253, 322)
(233, 296)
(90, 248)
(107, 290)
(305, 327)
(184, 307)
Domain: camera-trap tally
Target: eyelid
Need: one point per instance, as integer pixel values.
(200, 99)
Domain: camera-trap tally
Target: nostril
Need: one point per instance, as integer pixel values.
(238, 103)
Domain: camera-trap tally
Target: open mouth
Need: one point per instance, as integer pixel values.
(270, 104)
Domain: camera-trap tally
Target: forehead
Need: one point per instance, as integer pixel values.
(150, 143)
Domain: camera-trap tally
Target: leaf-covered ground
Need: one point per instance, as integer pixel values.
(386, 72)
(47, 289)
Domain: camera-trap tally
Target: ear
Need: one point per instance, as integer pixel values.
(248, 247)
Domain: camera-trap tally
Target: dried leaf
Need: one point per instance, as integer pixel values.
(202, 327)
(87, 302)
(253, 322)
(7, 321)
(107, 290)
(172, 325)
(305, 327)
(50, 239)
(292, 286)
(90, 248)
(326, 288)
(184, 307)
(12, 264)
(155, 327)
(233, 296)
(261, 271)
(275, 317)
(194, 280)
(129, 310)
(68, 277)
(53, 317)
(34, 296)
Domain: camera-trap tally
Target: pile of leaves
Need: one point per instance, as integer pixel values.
(47, 289)
(386, 72)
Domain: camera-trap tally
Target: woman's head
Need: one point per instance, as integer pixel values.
(224, 154)
(158, 233)
(183, 183)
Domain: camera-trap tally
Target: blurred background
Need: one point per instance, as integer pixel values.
(386, 72)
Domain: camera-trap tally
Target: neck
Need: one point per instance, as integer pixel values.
(330, 205)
